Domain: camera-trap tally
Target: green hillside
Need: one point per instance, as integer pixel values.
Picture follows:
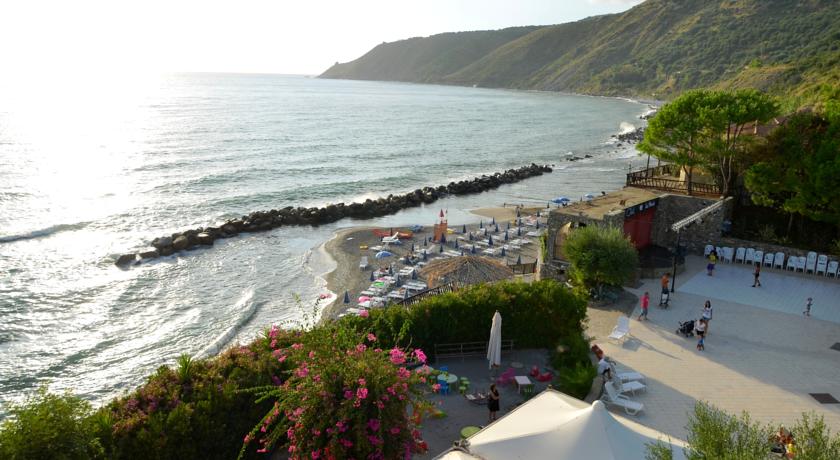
(656, 49)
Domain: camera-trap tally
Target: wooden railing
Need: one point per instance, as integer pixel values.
(466, 349)
(652, 178)
(523, 269)
(407, 302)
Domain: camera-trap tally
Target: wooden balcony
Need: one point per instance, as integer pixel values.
(666, 178)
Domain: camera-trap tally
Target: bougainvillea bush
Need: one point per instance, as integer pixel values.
(343, 398)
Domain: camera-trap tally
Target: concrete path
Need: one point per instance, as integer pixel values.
(762, 355)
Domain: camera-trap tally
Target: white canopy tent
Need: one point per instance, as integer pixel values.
(557, 426)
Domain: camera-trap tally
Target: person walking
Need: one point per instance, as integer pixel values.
(493, 401)
(756, 274)
(710, 268)
(645, 302)
(707, 314)
(700, 330)
(807, 312)
(666, 296)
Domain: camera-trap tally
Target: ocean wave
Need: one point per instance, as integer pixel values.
(626, 128)
(248, 307)
(40, 233)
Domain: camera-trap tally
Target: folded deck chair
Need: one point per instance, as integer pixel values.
(613, 398)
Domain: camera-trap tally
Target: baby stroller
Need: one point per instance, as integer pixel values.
(686, 329)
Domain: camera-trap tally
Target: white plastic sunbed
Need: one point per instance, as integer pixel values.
(621, 330)
(612, 397)
(363, 262)
(630, 386)
(627, 376)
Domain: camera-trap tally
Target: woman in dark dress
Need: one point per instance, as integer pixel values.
(493, 402)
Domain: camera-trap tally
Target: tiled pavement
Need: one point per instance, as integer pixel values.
(761, 354)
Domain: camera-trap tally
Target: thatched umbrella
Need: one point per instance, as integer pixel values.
(465, 270)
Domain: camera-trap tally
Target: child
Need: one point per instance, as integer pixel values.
(807, 311)
(645, 303)
(700, 330)
(756, 274)
(712, 259)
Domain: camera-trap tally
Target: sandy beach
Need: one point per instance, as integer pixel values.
(349, 245)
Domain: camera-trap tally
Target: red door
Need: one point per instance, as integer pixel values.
(638, 227)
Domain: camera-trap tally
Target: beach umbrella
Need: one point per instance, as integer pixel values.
(391, 270)
(589, 197)
(519, 260)
(383, 254)
(506, 235)
(442, 238)
(405, 294)
(391, 231)
(508, 226)
(538, 214)
(414, 274)
(397, 280)
(407, 261)
(518, 222)
(464, 230)
(472, 249)
(494, 345)
(456, 244)
(412, 247)
(517, 211)
(346, 297)
(481, 224)
(493, 222)
(371, 277)
(497, 228)
(441, 248)
(490, 240)
(462, 252)
(470, 237)
(538, 225)
(503, 251)
(561, 200)
(424, 255)
(518, 231)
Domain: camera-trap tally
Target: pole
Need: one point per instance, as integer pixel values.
(674, 271)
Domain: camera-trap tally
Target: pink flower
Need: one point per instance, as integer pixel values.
(347, 395)
(345, 442)
(403, 373)
(361, 348)
(273, 332)
(248, 438)
(316, 454)
(362, 393)
(364, 314)
(418, 353)
(395, 430)
(342, 427)
(436, 387)
(273, 343)
(297, 346)
(302, 371)
(373, 424)
(380, 405)
(397, 356)
(311, 354)
(371, 337)
(422, 379)
(362, 382)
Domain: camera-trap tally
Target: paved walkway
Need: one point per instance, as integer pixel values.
(761, 354)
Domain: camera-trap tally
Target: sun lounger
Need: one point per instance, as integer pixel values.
(534, 233)
(490, 251)
(612, 397)
(631, 386)
(627, 376)
(621, 330)
(363, 262)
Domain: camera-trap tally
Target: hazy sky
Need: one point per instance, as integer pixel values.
(282, 36)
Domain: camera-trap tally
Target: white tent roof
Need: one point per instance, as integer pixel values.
(557, 426)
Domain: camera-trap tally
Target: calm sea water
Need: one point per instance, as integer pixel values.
(90, 173)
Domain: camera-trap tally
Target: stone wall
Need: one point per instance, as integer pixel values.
(696, 236)
(766, 247)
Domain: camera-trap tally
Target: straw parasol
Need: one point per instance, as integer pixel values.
(464, 271)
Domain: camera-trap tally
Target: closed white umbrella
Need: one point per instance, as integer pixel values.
(494, 346)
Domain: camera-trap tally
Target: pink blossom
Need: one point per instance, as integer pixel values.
(436, 387)
(395, 430)
(373, 424)
(380, 405)
(273, 343)
(302, 371)
(346, 442)
(418, 353)
(273, 332)
(261, 451)
(403, 373)
(362, 382)
(397, 356)
(248, 438)
(342, 427)
(297, 346)
(317, 378)
(364, 314)
(311, 354)
(361, 348)
(362, 393)
(316, 454)
(422, 379)
(371, 337)
(347, 395)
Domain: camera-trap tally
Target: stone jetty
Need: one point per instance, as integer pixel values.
(259, 221)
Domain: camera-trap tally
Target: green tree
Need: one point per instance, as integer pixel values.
(725, 115)
(600, 256)
(50, 426)
(676, 133)
(799, 171)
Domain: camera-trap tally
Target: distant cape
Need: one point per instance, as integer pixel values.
(654, 50)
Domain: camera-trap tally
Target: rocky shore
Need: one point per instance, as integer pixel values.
(259, 221)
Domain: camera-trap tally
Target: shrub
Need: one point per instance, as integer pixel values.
(600, 256)
(49, 426)
(346, 398)
(577, 381)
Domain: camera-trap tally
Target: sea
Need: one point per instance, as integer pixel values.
(92, 170)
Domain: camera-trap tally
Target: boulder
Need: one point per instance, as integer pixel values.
(154, 253)
(167, 251)
(204, 238)
(161, 242)
(126, 259)
(181, 243)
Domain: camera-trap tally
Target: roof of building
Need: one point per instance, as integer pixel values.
(616, 201)
(465, 270)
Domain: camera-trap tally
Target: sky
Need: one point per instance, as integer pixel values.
(249, 36)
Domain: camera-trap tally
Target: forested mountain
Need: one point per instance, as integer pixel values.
(656, 49)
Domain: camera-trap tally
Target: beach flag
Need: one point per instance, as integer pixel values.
(519, 260)
(346, 297)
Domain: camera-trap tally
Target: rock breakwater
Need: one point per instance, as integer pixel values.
(260, 221)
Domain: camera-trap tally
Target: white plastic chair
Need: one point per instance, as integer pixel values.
(822, 264)
(800, 264)
(832, 269)
(621, 330)
(779, 261)
(707, 250)
(791, 263)
(811, 262)
(758, 257)
(728, 254)
(768, 259)
(739, 255)
(611, 396)
(750, 256)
